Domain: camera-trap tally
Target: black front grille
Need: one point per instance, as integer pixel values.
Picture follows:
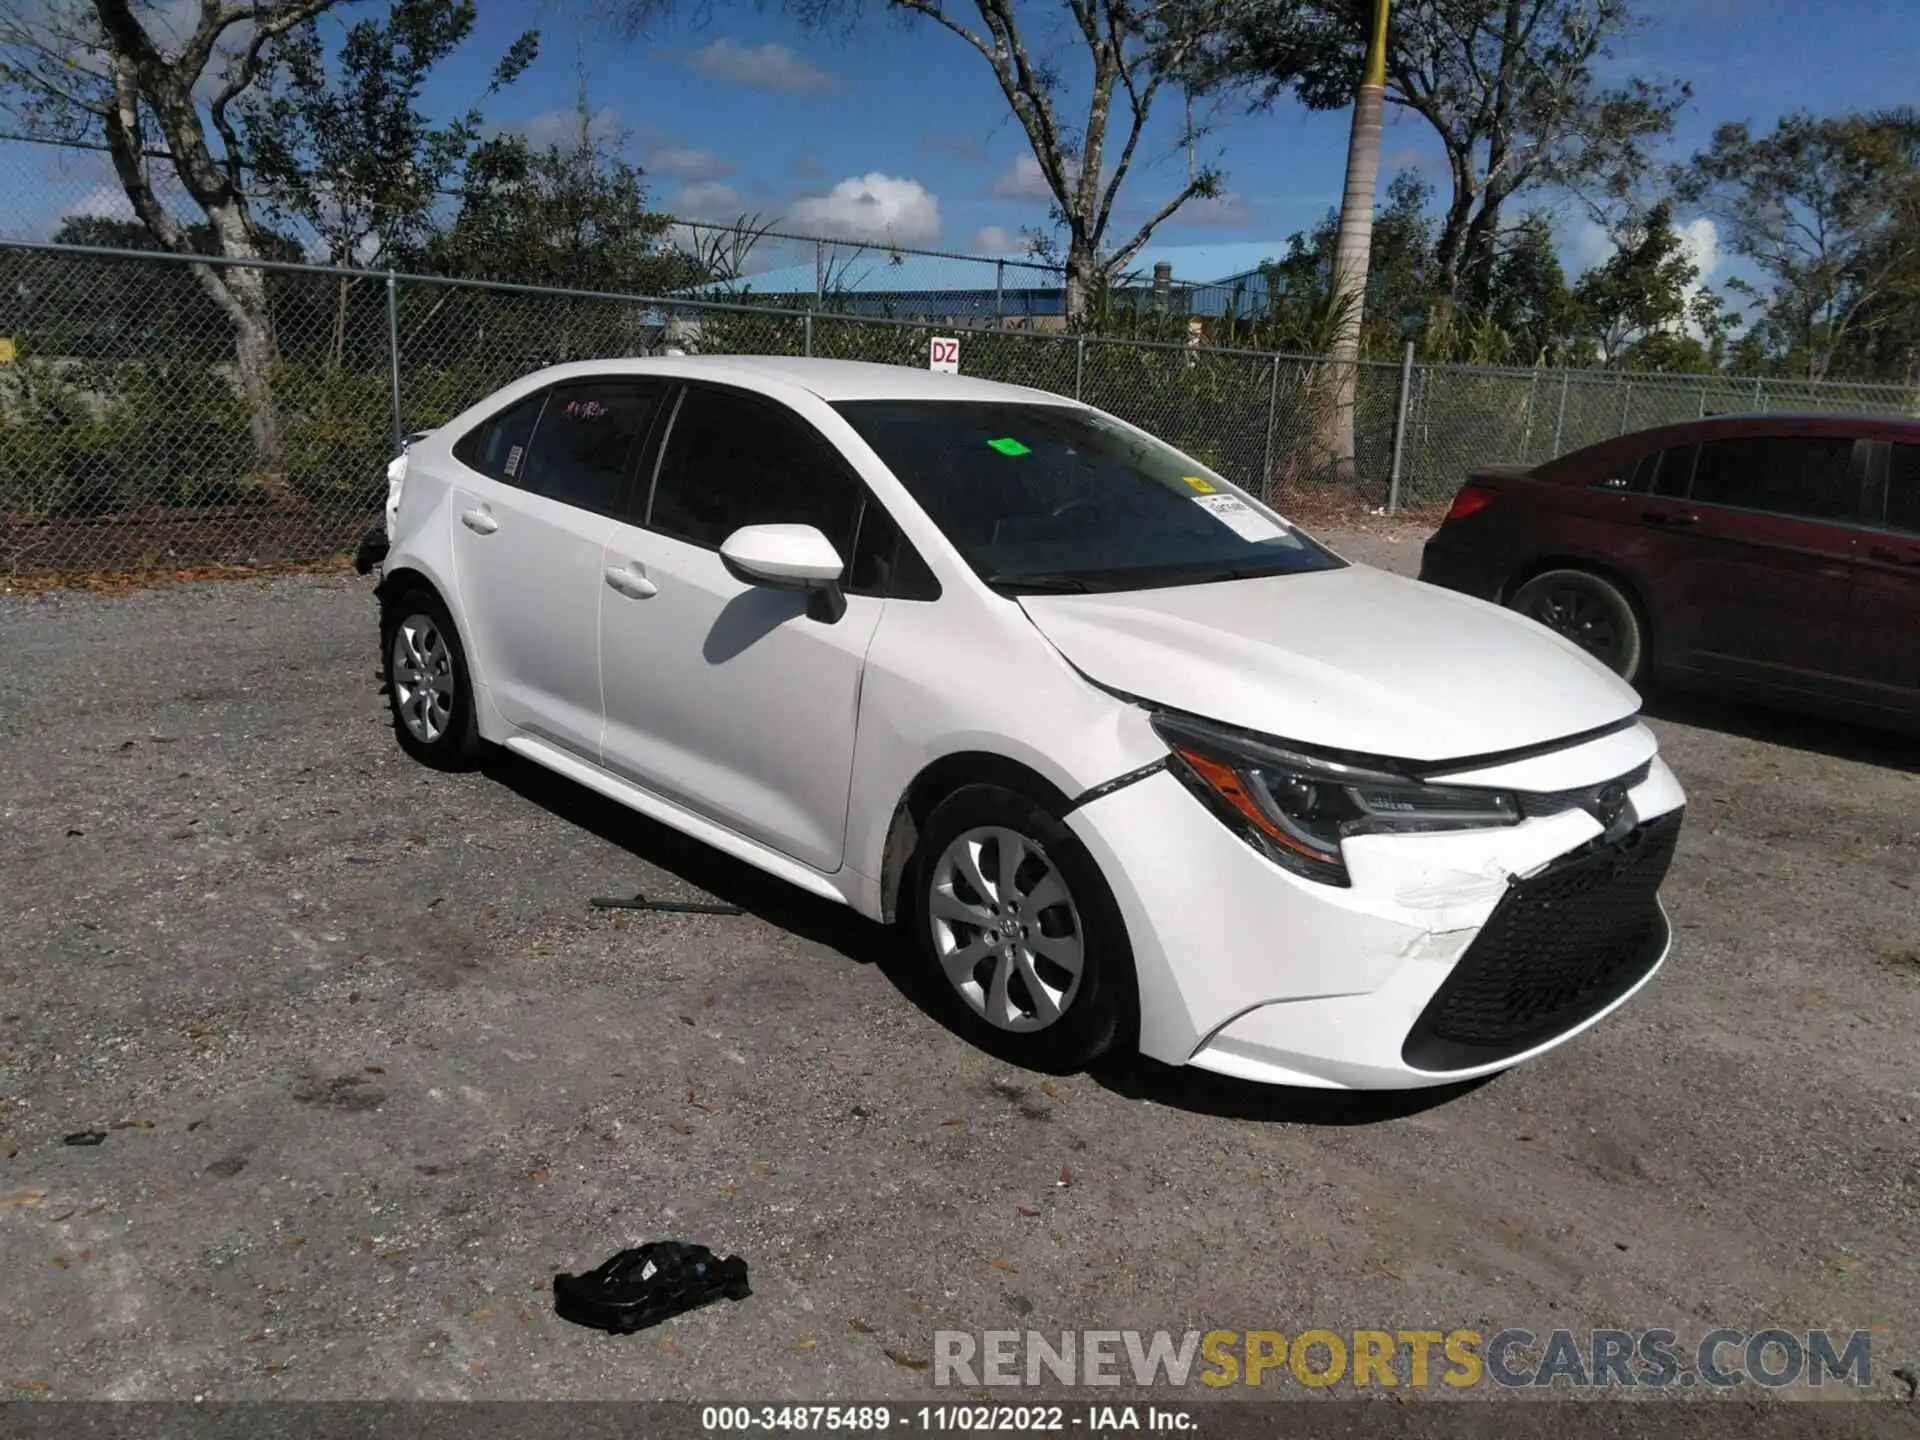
(1560, 946)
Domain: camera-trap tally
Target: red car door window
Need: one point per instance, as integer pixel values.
(1809, 478)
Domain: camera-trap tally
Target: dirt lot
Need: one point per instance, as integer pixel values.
(369, 1071)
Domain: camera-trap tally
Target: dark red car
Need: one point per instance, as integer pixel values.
(1773, 556)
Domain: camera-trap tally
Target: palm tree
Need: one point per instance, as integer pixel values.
(1352, 245)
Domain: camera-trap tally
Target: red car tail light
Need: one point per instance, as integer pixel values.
(1471, 500)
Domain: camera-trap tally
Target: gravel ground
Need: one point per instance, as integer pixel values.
(369, 1071)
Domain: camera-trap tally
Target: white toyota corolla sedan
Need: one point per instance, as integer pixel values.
(1129, 758)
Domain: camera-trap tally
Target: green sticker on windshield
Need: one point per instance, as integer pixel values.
(1007, 445)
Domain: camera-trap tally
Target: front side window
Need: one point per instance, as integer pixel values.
(585, 439)
(1805, 477)
(734, 459)
(1045, 497)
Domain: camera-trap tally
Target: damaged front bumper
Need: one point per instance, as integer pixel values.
(371, 551)
(1251, 971)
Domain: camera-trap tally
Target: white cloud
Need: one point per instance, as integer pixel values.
(1591, 245)
(709, 200)
(683, 162)
(1588, 246)
(1702, 238)
(102, 202)
(998, 240)
(872, 207)
(1225, 210)
(762, 67)
(562, 127)
(1023, 180)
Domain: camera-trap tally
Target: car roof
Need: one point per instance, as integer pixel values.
(1759, 425)
(831, 380)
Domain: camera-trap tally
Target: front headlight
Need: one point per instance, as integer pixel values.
(1296, 808)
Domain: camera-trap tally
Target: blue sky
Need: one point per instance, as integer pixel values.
(748, 111)
(899, 122)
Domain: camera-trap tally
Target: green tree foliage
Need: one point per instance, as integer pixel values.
(1512, 89)
(571, 214)
(1827, 209)
(345, 148)
(108, 73)
(1636, 306)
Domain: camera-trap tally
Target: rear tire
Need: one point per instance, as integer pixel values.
(429, 688)
(1028, 957)
(1593, 612)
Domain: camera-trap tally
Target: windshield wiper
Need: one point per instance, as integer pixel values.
(1057, 584)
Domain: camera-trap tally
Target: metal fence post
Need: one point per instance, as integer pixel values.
(1079, 364)
(393, 358)
(1626, 408)
(819, 271)
(999, 288)
(1273, 408)
(1400, 429)
(809, 340)
(1526, 425)
(1560, 419)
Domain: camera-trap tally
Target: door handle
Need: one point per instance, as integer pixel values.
(1668, 517)
(479, 521)
(630, 582)
(1893, 557)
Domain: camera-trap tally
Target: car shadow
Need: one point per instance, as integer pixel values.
(865, 942)
(1201, 1092)
(1796, 729)
(700, 866)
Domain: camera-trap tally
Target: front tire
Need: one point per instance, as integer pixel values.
(1593, 612)
(429, 688)
(1018, 933)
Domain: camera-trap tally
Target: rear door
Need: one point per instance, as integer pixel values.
(1758, 535)
(1886, 633)
(533, 507)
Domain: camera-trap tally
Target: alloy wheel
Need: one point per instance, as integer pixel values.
(1005, 929)
(421, 674)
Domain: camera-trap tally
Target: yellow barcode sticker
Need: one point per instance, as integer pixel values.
(1203, 487)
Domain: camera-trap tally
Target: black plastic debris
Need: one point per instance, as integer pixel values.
(85, 1137)
(681, 907)
(641, 1287)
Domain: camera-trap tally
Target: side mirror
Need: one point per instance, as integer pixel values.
(789, 557)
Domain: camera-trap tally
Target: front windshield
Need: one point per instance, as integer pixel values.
(1052, 497)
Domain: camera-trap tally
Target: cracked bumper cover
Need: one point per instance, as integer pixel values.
(1248, 970)
(371, 550)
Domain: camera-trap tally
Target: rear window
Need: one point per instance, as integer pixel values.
(497, 447)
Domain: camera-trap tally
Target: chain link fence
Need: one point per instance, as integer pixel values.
(129, 445)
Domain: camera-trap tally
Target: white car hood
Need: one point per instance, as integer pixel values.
(1351, 659)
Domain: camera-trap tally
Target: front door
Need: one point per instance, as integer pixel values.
(1759, 556)
(1886, 632)
(532, 512)
(726, 697)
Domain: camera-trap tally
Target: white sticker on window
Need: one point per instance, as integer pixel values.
(513, 459)
(1239, 517)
